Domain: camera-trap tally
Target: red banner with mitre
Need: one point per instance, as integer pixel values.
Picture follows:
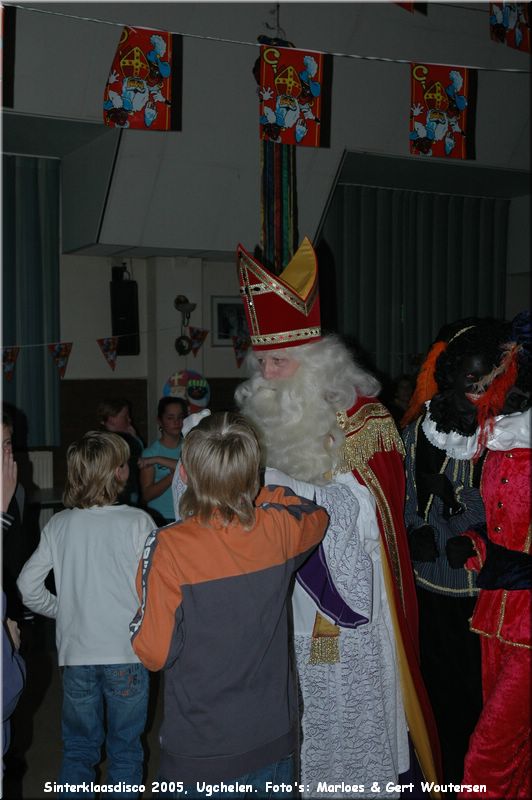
(442, 111)
(143, 89)
(422, 7)
(509, 24)
(295, 95)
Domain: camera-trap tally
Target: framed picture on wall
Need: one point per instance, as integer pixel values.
(228, 319)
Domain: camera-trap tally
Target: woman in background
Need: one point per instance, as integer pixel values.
(159, 461)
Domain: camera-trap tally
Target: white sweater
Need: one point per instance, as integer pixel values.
(94, 553)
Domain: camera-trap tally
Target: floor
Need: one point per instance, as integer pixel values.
(35, 753)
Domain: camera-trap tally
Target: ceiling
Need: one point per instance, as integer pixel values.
(424, 174)
(46, 137)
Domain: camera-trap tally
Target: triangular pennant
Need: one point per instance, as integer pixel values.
(9, 359)
(108, 346)
(509, 24)
(197, 337)
(442, 111)
(241, 345)
(60, 353)
(143, 89)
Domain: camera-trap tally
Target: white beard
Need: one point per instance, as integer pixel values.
(297, 427)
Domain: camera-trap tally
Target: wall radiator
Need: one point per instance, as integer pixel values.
(42, 462)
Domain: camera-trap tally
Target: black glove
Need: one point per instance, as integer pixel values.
(441, 486)
(459, 549)
(422, 544)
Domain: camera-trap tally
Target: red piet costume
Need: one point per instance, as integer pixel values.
(499, 753)
(283, 311)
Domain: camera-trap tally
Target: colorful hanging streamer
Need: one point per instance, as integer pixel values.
(108, 346)
(442, 111)
(197, 337)
(144, 85)
(9, 359)
(60, 353)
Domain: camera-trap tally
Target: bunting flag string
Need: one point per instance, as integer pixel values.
(60, 353)
(197, 337)
(241, 345)
(108, 346)
(9, 359)
(224, 40)
(442, 113)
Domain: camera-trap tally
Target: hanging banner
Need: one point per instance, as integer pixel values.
(197, 337)
(509, 24)
(421, 7)
(144, 86)
(442, 111)
(241, 345)
(8, 21)
(60, 353)
(9, 359)
(295, 95)
(108, 346)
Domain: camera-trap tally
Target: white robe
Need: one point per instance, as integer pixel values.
(354, 728)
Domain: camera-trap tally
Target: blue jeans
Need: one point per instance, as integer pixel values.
(280, 775)
(123, 689)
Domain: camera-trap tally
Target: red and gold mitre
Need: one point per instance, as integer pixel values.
(134, 64)
(436, 97)
(281, 310)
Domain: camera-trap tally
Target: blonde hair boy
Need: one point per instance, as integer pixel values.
(97, 470)
(220, 461)
(214, 590)
(94, 547)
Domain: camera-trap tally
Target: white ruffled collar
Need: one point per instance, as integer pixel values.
(509, 431)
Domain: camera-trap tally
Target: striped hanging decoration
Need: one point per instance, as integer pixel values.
(278, 202)
(279, 234)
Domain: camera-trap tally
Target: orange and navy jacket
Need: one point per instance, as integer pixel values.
(214, 616)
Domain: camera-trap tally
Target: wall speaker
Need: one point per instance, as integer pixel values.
(125, 315)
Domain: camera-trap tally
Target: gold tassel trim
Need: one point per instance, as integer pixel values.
(371, 430)
(324, 648)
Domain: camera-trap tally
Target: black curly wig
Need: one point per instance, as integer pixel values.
(468, 337)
